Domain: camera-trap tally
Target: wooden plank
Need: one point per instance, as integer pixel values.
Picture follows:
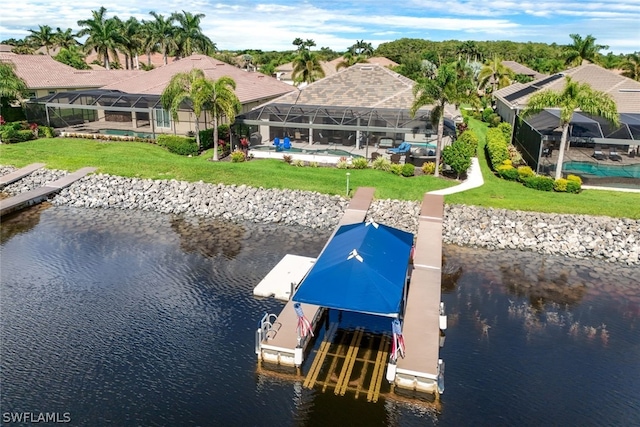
(18, 174)
(334, 362)
(320, 356)
(349, 361)
(378, 370)
(366, 359)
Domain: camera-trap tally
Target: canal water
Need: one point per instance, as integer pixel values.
(135, 318)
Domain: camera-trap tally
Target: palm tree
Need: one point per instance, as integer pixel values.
(161, 34)
(574, 96)
(582, 50)
(496, 73)
(631, 66)
(103, 34)
(13, 88)
(361, 48)
(448, 88)
(349, 59)
(44, 36)
(306, 67)
(222, 102)
(189, 35)
(192, 89)
(65, 39)
(469, 49)
(130, 41)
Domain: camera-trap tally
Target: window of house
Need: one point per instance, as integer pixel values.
(163, 119)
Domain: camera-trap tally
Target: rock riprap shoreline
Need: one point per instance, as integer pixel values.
(578, 236)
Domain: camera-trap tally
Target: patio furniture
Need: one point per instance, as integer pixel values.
(546, 152)
(287, 143)
(403, 148)
(599, 155)
(395, 159)
(375, 155)
(385, 143)
(613, 155)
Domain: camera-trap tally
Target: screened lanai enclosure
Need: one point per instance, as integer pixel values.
(342, 126)
(598, 153)
(109, 112)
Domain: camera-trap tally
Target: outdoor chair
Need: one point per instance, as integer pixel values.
(395, 159)
(613, 155)
(276, 143)
(375, 155)
(287, 143)
(599, 155)
(403, 148)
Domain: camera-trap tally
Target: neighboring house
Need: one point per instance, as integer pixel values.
(538, 136)
(46, 76)
(284, 72)
(362, 104)
(523, 70)
(133, 104)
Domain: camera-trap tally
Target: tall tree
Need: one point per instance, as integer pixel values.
(349, 59)
(192, 89)
(161, 34)
(223, 102)
(130, 41)
(44, 36)
(13, 88)
(582, 50)
(447, 88)
(65, 39)
(189, 36)
(361, 48)
(631, 66)
(306, 67)
(574, 96)
(496, 74)
(104, 36)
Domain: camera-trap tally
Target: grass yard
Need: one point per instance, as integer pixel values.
(143, 160)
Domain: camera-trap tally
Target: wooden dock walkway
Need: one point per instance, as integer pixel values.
(18, 174)
(37, 195)
(279, 346)
(418, 370)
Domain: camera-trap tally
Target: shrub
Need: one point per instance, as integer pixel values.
(507, 172)
(313, 164)
(496, 147)
(299, 163)
(486, 114)
(525, 172)
(458, 156)
(408, 170)
(514, 155)
(359, 163)
(381, 163)
(574, 178)
(396, 169)
(573, 187)
(495, 120)
(178, 144)
(560, 185)
(24, 135)
(429, 168)
(543, 183)
(238, 157)
(505, 128)
(342, 164)
(287, 158)
(47, 132)
(470, 139)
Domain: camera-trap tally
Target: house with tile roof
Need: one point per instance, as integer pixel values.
(518, 68)
(537, 137)
(46, 76)
(362, 103)
(133, 104)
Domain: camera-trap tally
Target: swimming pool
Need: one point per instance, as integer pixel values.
(602, 170)
(322, 151)
(126, 133)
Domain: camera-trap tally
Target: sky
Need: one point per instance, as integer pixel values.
(274, 24)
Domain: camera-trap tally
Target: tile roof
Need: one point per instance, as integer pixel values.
(518, 68)
(42, 71)
(250, 86)
(329, 67)
(359, 86)
(624, 91)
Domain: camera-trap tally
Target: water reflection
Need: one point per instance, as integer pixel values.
(21, 222)
(132, 318)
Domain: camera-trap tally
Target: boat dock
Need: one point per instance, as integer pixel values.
(18, 174)
(420, 368)
(37, 195)
(277, 337)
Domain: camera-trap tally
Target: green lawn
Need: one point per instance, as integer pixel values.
(145, 160)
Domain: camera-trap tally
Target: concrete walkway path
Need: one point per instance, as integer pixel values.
(474, 180)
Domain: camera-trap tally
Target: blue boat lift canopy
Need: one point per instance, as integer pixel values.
(363, 269)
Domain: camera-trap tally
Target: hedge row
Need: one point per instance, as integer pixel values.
(184, 146)
(525, 175)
